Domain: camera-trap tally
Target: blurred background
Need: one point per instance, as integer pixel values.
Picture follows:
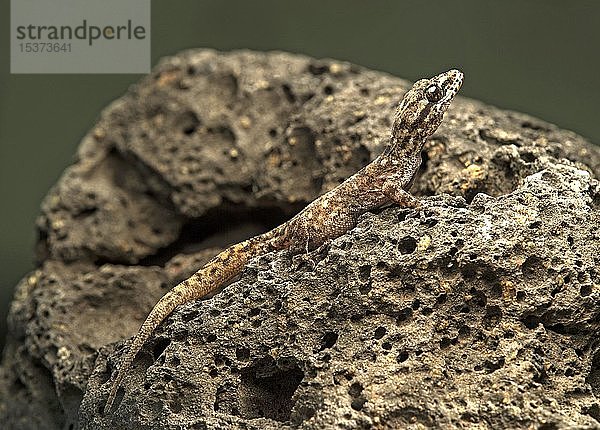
(538, 56)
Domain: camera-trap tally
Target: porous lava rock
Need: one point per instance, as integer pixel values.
(479, 311)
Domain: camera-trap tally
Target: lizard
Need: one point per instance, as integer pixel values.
(384, 181)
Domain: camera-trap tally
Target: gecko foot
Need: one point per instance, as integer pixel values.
(300, 259)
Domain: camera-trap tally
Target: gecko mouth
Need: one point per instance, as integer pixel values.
(457, 79)
(453, 84)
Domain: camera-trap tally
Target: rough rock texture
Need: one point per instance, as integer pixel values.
(480, 312)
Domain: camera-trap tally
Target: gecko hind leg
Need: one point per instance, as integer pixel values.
(303, 251)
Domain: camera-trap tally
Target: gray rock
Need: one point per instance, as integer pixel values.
(481, 310)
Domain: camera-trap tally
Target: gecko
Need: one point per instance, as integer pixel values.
(384, 181)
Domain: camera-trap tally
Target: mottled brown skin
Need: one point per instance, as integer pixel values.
(385, 180)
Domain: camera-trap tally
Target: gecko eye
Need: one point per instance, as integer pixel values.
(433, 93)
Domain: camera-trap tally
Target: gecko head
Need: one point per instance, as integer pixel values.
(422, 109)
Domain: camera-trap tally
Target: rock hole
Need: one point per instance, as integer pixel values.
(585, 290)
(365, 288)
(441, 299)
(267, 388)
(356, 317)
(329, 340)
(387, 346)
(160, 347)
(445, 342)
(364, 273)
(230, 83)
(382, 265)
(317, 69)
(557, 328)
(191, 70)
(528, 157)
(407, 245)
(221, 361)
(188, 122)
(509, 334)
(403, 315)
(380, 332)
(478, 298)
(534, 126)
(530, 321)
(328, 90)
(87, 212)
(224, 132)
(492, 316)
(303, 412)
(492, 366)
(355, 389)
(189, 316)
(289, 94)
(357, 404)
(402, 357)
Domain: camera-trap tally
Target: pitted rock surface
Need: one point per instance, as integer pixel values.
(480, 311)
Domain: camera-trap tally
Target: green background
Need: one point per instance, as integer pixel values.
(540, 57)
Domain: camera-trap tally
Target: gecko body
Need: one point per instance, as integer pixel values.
(385, 180)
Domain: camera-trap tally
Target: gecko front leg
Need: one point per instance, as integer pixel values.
(394, 191)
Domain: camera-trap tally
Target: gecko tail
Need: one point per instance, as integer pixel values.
(161, 310)
(213, 275)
